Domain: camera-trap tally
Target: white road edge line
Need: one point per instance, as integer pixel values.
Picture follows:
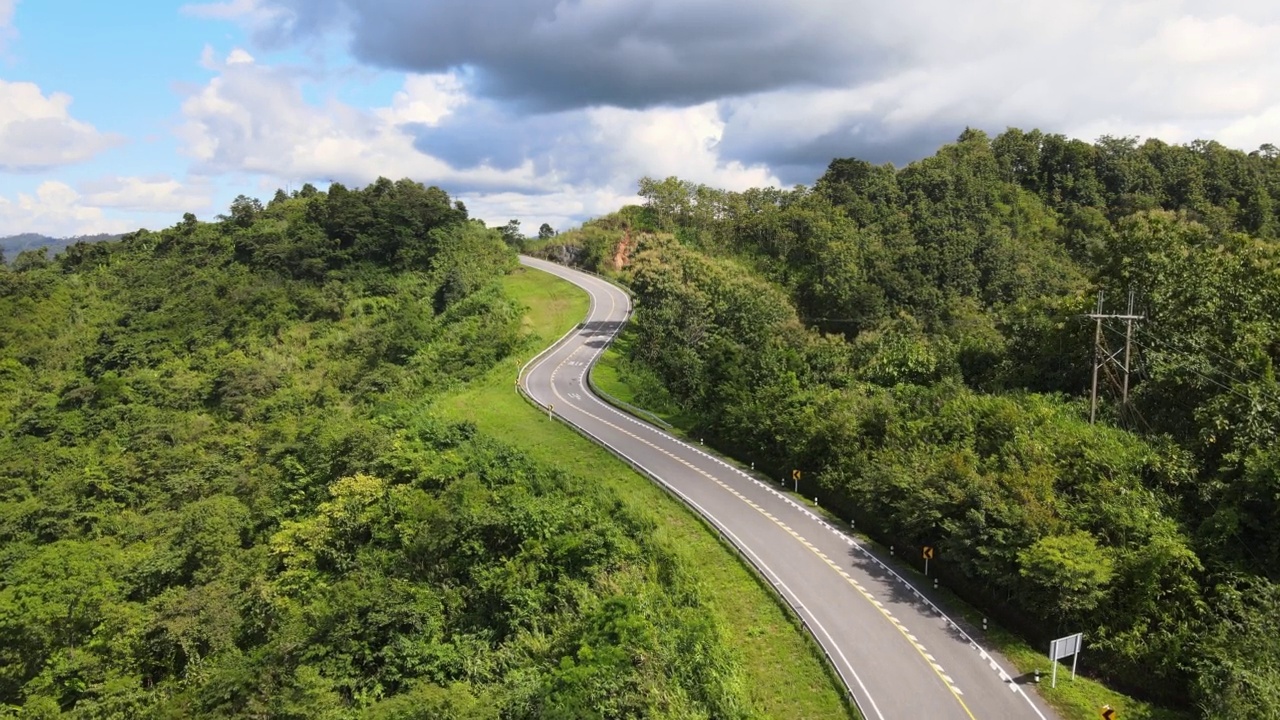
(1005, 677)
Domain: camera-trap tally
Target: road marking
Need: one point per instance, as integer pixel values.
(584, 283)
(777, 581)
(805, 542)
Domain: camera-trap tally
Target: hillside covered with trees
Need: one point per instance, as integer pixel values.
(12, 245)
(224, 493)
(917, 339)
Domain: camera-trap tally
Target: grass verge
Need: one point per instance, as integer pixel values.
(1079, 699)
(620, 381)
(785, 673)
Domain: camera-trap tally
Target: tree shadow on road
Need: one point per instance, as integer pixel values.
(918, 595)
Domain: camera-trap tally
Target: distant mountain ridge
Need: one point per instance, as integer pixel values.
(13, 244)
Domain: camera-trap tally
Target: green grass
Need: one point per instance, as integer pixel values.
(1081, 699)
(618, 381)
(784, 671)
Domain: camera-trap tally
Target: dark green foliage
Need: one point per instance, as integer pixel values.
(512, 235)
(223, 493)
(951, 409)
(1238, 676)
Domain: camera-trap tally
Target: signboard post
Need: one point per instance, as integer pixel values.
(1062, 647)
(928, 555)
(795, 475)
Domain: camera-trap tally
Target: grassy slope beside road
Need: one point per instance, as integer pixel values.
(1080, 699)
(787, 676)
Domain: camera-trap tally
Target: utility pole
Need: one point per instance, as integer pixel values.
(1097, 354)
(1102, 355)
(1128, 341)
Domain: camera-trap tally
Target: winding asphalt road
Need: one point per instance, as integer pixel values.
(900, 657)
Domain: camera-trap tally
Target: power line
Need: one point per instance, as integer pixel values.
(1217, 503)
(1105, 360)
(1195, 348)
(1187, 368)
(1143, 369)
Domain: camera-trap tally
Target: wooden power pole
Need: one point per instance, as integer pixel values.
(1102, 355)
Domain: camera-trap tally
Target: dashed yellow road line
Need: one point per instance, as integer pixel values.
(946, 681)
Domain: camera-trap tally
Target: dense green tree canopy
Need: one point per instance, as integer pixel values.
(224, 492)
(916, 337)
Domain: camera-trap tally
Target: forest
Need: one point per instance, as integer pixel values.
(224, 491)
(918, 340)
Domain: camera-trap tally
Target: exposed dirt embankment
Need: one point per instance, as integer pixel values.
(622, 255)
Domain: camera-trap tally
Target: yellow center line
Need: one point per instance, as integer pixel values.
(929, 660)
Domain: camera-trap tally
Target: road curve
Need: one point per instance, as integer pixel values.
(899, 656)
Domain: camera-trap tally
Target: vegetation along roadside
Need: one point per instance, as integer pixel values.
(227, 489)
(918, 340)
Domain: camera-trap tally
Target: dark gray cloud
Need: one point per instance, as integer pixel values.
(557, 54)
(564, 98)
(805, 159)
(483, 134)
(886, 82)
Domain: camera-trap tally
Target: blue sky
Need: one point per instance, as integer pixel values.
(94, 54)
(115, 116)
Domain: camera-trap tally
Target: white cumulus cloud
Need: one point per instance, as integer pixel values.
(105, 205)
(159, 194)
(255, 118)
(670, 141)
(1181, 71)
(795, 83)
(37, 131)
(55, 209)
(425, 99)
(561, 210)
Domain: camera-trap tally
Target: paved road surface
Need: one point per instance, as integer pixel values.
(899, 656)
